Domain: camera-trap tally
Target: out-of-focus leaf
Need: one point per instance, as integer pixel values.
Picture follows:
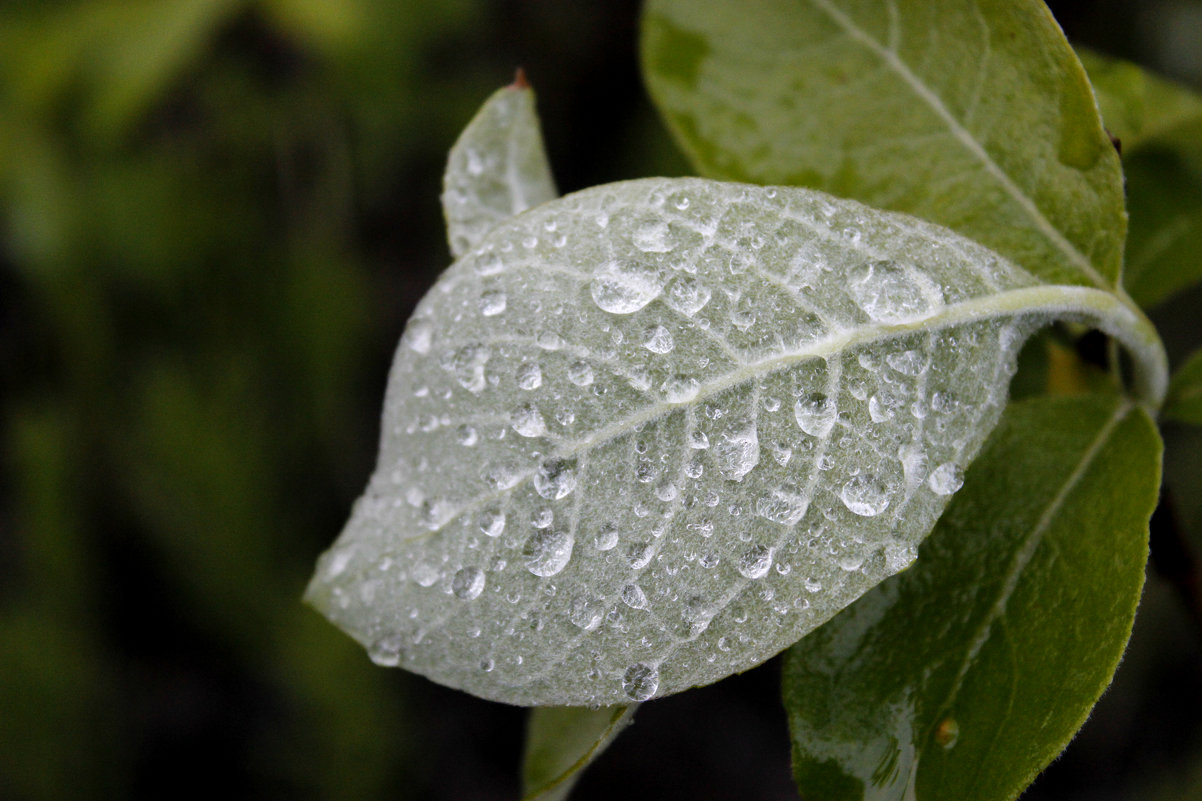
(1184, 401)
(562, 741)
(964, 676)
(1160, 126)
(977, 116)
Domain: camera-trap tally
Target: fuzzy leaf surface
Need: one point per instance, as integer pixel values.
(977, 116)
(497, 168)
(561, 741)
(967, 674)
(652, 433)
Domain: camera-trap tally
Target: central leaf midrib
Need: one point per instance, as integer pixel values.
(1030, 300)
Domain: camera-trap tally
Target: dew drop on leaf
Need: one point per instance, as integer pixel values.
(492, 522)
(624, 288)
(864, 496)
(580, 374)
(555, 479)
(492, 302)
(527, 421)
(468, 583)
(889, 293)
(687, 295)
(946, 479)
(548, 552)
(658, 339)
(634, 597)
(640, 681)
(755, 561)
(585, 614)
(530, 376)
(607, 537)
(738, 453)
(815, 414)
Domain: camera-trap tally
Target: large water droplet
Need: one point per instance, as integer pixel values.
(548, 552)
(468, 583)
(879, 410)
(584, 613)
(865, 496)
(755, 561)
(680, 389)
(624, 288)
(418, 335)
(492, 302)
(891, 293)
(658, 339)
(640, 681)
(580, 374)
(910, 362)
(782, 506)
(527, 421)
(639, 555)
(946, 479)
(737, 453)
(530, 376)
(555, 479)
(687, 295)
(816, 414)
(607, 537)
(634, 597)
(467, 365)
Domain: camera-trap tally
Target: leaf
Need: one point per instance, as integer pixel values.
(1184, 401)
(652, 433)
(562, 741)
(497, 168)
(977, 116)
(1160, 126)
(966, 675)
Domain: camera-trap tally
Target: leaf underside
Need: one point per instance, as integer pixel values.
(562, 741)
(654, 432)
(965, 676)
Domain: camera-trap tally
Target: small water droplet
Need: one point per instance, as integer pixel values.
(946, 479)
(555, 479)
(947, 732)
(527, 421)
(878, 410)
(708, 560)
(738, 453)
(548, 552)
(548, 340)
(698, 440)
(891, 293)
(387, 651)
(607, 537)
(467, 435)
(652, 237)
(492, 302)
(755, 562)
(418, 335)
(850, 562)
(665, 490)
(487, 665)
(634, 597)
(698, 611)
(425, 575)
(468, 583)
(492, 522)
(910, 362)
(816, 414)
(640, 681)
(580, 374)
(899, 556)
(914, 464)
(680, 389)
(467, 366)
(530, 376)
(864, 496)
(624, 288)
(658, 339)
(584, 613)
(782, 506)
(687, 295)
(639, 555)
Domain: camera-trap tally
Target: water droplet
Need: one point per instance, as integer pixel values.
(418, 335)
(624, 288)
(555, 479)
(387, 651)
(580, 374)
(527, 421)
(947, 732)
(338, 563)
(946, 479)
(697, 611)
(492, 302)
(530, 376)
(910, 362)
(467, 435)
(680, 389)
(487, 665)
(738, 453)
(492, 522)
(543, 518)
(755, 561)
(639, 555)
(500, 476)
(548, 552)
(468, 583)
(665, 490)
(607, 537)
(490, 264)
(864, 496)
(783, 507)
(652, 237)
(698, 440)
(640, 681)
(548, 340)
(585, 614)
(899, 556)
(425, 575)
(708, 560)
(816, 414)
(658, 339)
(914, 464)
(891, 293)
(687, 295)
(878, 410)
(850, 562)
(467, 365)
(634, 597)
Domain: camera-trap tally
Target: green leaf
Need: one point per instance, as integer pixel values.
(1160, 126)
(1184, 401)
(562, 741)
(497, 168)
(977, 116)
(650, 434)
(966, 675)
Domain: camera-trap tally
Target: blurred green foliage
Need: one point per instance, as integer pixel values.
(215, 217)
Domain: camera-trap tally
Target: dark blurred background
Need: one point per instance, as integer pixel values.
(215, 218)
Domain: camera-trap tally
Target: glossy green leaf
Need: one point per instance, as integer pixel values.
(562, 741)
(1184, 401)
(497, 168)
(963, 677)
(1160, 126)
(977, 116)
(650, 434)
